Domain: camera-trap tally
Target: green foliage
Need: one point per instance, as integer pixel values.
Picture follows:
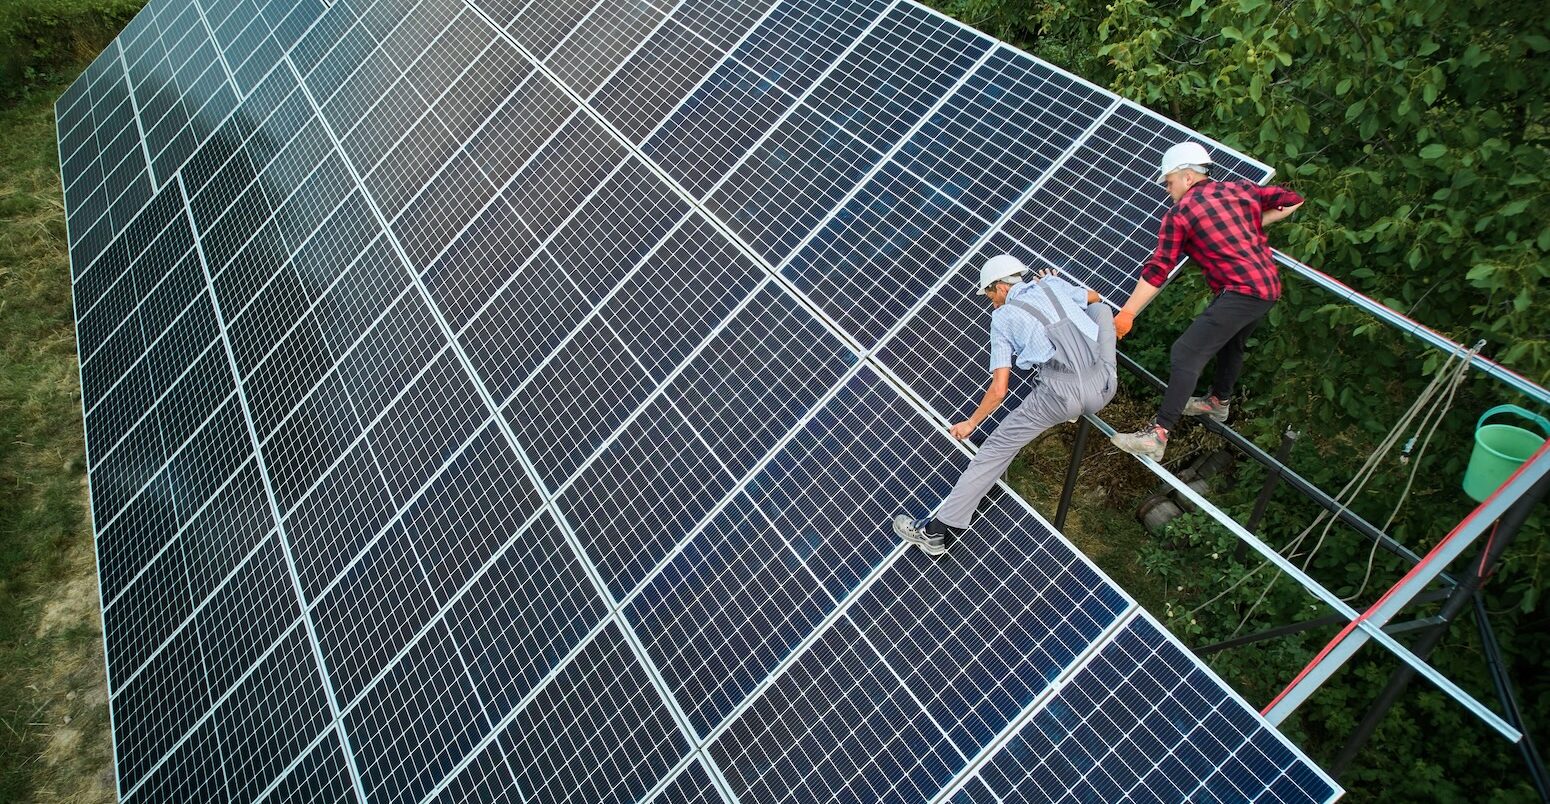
(44, 40)
(1418, 132)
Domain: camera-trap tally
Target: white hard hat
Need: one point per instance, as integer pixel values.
(999, 268)
(1185, 154)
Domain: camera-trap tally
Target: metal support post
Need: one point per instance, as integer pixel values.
(1272, 479)
(1306, 625)
(1506, 530)
(1503, 684)
(1078, 450)
(1290, 477)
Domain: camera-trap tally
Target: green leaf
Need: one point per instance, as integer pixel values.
(1434, 151)
(1247, 6)
(1539, 43)
(1343, 87)
(1514, 207)
(1544, 239)
(1368, 127)
(1232, 33)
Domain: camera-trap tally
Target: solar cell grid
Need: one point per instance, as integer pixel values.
(348, 507)
(898, 71)
(446, 203)
(726, 610)
(522, 124)
(469, 511)
(523, 323)
(705, 135)
(417, 723)
(691, 786)
(790, 181)
(861, 457)
(597, 46)
(642, 494)
(585, 346)
(319, 777)
(362, 631)
(126, 545)
(1032, 607)
(880, 252)
(1142, 677)
(1003, 128)
(524, 616)
(654, 78)
(755, 378)
(223, 533)
(598, 732)
(576, 400)
(678, 294)
(722, 24)
(616, 226)
(836, 725)
(189, 769)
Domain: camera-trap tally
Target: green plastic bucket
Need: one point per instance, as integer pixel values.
(1500, 449)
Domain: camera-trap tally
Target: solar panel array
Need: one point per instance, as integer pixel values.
(505, 401)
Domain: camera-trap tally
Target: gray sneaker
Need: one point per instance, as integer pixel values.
(1208, 406)
(1149, 441)
(913, 531)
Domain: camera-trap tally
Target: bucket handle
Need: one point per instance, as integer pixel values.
(1544, 424)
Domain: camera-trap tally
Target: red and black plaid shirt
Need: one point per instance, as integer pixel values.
(1217, 223)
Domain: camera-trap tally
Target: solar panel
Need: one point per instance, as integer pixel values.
(505, 401)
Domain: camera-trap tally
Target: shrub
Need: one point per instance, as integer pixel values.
(39, 39)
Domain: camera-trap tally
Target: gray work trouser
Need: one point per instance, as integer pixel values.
(1057, 396)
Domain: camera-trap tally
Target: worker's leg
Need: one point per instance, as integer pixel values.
(1100, 392)
(1229, 362)
(1046, 405)
(1229, 314)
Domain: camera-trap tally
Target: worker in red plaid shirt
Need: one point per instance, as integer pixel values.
(1221, 226)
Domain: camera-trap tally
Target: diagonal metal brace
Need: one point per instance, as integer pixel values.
(1346, 643)
(1358, 623)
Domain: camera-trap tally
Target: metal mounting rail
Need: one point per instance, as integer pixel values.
(1289, 476)
(1358, 623)
(1414, 328)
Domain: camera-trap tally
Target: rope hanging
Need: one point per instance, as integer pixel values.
(1436, 400)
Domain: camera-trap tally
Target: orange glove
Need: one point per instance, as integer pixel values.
(1123, 321)
(1093, 297)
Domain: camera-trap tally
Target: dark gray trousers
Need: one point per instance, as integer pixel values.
(1056, 397)
(1221, 331)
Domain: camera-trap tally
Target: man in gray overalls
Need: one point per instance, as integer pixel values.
(1065, 332)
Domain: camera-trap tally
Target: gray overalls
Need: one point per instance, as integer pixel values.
(1078, 379)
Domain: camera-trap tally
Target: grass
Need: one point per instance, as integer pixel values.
(54, 735)
(1102, 520)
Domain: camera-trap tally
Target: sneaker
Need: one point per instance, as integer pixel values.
(1208, 406)
(1149, 441)
(913, 531)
